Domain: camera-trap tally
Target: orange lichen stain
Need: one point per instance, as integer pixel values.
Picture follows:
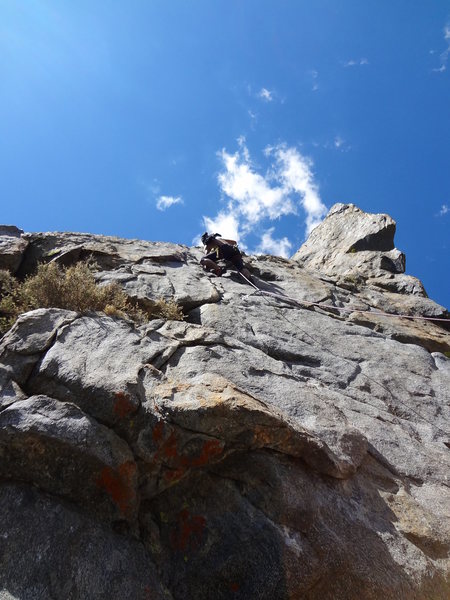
(118, 484)
(262, 436)
(210, 450)
(169, 448)
(34, 445)
(188, 532)
(175, 475)
(158, 431)
(181, 387)
(127, 470)
(215, 399)
(123, 405)
(168, 453)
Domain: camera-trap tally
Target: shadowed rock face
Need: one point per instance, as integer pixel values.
(261, 449)
(12, 247)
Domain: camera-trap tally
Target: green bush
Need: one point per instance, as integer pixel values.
(73, 288)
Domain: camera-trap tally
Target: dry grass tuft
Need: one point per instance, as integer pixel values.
(11, 300)
(73, 288)
(167, 309)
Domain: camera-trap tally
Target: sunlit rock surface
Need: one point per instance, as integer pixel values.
(264, 448)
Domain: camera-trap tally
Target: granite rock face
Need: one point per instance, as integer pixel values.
(350, 241)
(279, 445)
(12, 247)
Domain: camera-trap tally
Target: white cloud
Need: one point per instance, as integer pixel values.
(339, 143)
(315, 85)
(444, 55)
(295, 171)
(152, 188)
(356, 63)
(444, 210)
(245, 153)
(165, 202)
(268, 245)
(256, 199)
(265, 94)
(252, 195)
(253, 117)
(227, 224)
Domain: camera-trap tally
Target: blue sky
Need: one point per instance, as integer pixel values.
(158, 119)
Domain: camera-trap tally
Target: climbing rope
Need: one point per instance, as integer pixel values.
(281, 296)
(330, 307)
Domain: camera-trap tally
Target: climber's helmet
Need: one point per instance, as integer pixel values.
(207, 238)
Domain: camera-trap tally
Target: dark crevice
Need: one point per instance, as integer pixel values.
(354, 375)
(192, 305)
(201, 343)
(160, 360)
(381, 241)
(23, 269)
(9, 404)
(433, 548)
(382, 461)
(176, 257)
(262, 372)
(292, 358)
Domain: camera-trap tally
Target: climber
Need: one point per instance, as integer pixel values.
(219, 248)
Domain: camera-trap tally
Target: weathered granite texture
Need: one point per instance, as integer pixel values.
(12, 247)
(261, 449)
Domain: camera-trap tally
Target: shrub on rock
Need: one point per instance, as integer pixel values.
(73, 288)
